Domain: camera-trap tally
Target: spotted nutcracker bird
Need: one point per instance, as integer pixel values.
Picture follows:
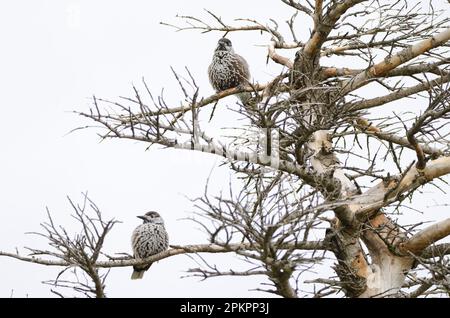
(228, 69)
(148, 239)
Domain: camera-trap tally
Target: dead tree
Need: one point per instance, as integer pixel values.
(315, 156)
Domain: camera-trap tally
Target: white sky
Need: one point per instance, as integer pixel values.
(54, 55)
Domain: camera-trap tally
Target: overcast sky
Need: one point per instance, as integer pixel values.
(54, 56)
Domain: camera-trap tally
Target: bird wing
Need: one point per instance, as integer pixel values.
(243, 67)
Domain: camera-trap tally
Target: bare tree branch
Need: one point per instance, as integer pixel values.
(392, 62)
(427, 236)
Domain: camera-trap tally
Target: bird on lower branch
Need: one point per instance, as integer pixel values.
(148, 239)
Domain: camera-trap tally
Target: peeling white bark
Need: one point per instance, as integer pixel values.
(387, 276)
(398, 59)
(323, 160)
(374, 198)
(428, 236)
(388, 271)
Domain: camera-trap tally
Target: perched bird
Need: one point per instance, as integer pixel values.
(228, 69)
(148, 239)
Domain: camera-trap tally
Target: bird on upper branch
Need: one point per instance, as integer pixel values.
(148, 239)
(229, 70)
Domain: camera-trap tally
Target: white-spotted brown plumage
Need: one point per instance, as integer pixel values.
(148, 239)
(228, 69)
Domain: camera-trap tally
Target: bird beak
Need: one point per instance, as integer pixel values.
(141, 217)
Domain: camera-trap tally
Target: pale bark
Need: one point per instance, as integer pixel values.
(352, 267)
(401, 93)
(375, 198)
(369, 129)
(392, 62)
(277, 58)
(386, 275)
(387, 271)
(324, 160)
(323, 27)
(427, 236)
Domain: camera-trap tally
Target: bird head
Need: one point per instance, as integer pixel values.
(151, 217)
(224, 45)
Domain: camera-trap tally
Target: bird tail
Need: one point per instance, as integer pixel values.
(244, 97)
(137, 274)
